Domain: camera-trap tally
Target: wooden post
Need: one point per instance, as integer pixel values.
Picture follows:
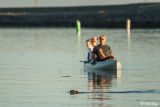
(128, 26)
(128, 32)
(36, 3)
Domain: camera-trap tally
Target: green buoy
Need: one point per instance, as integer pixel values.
(78, 27)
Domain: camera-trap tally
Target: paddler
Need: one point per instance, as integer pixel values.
(102, 52)
(91, 43)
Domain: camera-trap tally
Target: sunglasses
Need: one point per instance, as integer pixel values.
(101, 39)
(93, 41)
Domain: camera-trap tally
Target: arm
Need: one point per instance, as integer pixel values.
(88, 42)
(101, 54)
(112, 55)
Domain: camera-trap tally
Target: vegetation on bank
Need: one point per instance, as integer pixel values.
(114, 16)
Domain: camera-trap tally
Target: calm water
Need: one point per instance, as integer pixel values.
(38, 66)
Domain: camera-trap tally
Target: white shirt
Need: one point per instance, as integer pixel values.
(90, 52)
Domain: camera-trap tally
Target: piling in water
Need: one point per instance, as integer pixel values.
(36, 3)
(78, 27)
(128, 26)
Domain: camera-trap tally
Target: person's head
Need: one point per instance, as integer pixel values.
(94, 41)
(103, 39)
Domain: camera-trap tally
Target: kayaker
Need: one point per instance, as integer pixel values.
(91, 46)
(102, 52)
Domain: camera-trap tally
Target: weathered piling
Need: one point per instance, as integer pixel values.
(128, 26)
(36, 3)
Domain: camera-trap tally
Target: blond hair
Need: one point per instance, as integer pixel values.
(94, 38)
(103, 36)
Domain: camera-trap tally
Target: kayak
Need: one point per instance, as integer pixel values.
(103, 65)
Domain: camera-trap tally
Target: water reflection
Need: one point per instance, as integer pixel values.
(79, 41)
(129, 45)
(36, 39)
(102, 81)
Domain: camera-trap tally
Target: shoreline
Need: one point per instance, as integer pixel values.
(143, 15)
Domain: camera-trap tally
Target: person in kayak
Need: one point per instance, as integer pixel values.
(102, 52)
(91, 46)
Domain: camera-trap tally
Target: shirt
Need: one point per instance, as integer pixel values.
(90, 52)
(105, 48)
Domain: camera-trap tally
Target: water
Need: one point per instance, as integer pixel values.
(39, 66)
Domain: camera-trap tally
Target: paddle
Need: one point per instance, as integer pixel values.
(83, 61)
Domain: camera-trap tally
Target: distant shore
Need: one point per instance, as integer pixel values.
(145, 15)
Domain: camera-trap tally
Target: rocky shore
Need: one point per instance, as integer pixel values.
(114, 16)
